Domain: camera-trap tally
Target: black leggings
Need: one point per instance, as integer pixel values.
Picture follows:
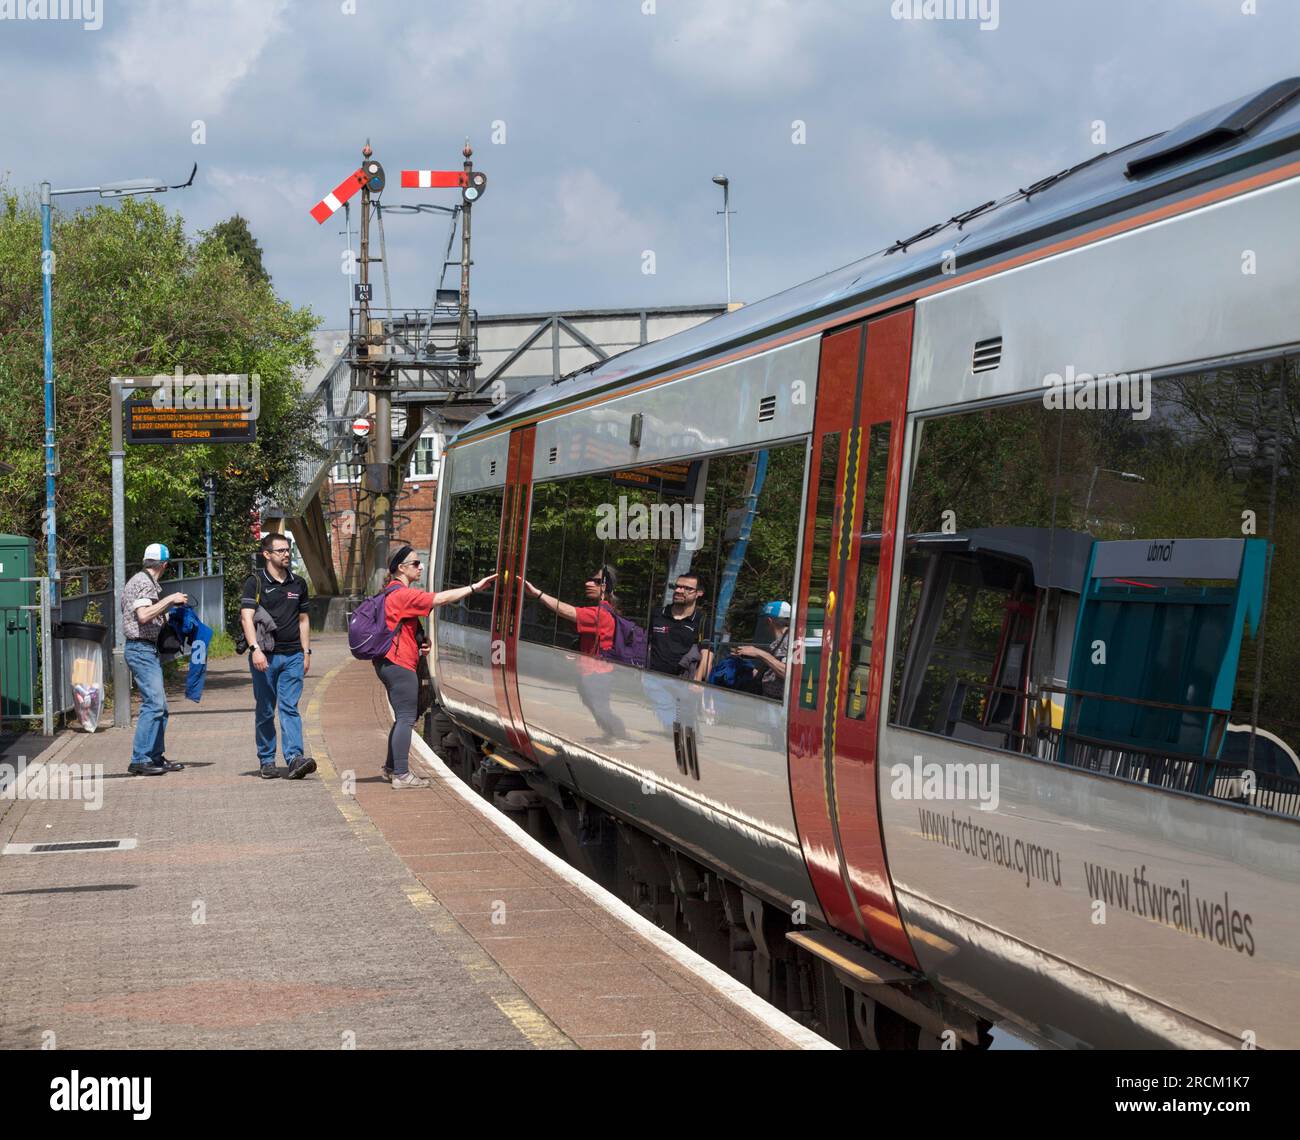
(403, 687)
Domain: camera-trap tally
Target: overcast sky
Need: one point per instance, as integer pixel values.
(613, 122)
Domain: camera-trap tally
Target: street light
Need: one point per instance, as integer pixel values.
(108, 190)
(725, 182)
(1127, 476)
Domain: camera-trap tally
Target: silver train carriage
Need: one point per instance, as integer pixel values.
(1020, 495)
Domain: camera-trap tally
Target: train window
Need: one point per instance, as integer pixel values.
(1103, 581)
(730, 519)
(819, 566)
(634, 528)
(864, 598)
(545, 555)
(757, 496)
(691, 542)
(473, 531)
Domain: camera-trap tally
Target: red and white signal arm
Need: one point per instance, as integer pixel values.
(369, 172)
(361, 427)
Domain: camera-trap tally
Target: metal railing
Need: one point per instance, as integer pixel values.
(1199, 773)
(42, 662)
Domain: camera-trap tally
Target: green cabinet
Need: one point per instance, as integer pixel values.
(18, 626)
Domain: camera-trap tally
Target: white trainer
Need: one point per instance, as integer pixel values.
(410, 780)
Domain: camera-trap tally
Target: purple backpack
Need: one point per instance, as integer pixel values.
(369, 637)
(630, 646)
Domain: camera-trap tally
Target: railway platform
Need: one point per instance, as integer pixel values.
(219, 910)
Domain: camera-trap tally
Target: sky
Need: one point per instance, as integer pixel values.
(842, 124)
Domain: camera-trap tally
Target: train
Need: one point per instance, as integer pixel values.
(996, 539)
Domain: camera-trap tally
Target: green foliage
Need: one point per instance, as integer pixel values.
(221, 645)
(234, 236)
(134, 296)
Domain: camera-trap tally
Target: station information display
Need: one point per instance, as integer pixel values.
(146, 423)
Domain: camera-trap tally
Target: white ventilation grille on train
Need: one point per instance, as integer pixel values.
(553, 455)
(988, 355)
(492, 467)
(766, 409)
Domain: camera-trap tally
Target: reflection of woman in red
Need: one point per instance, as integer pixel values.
(595, 624)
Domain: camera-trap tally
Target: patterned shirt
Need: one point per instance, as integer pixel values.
(141, 591)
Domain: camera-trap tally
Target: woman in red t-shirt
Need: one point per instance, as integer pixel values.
(595, 624)
(404, 605)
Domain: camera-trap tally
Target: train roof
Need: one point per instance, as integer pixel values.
(1259, 129)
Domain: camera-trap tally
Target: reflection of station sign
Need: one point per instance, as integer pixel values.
(146, 423)
(1214, 559)
(676, 479)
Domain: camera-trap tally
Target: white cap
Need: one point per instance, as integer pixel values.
(156, 552)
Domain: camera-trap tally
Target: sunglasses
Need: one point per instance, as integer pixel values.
(412, 562)
(598, 579)
(680, 586)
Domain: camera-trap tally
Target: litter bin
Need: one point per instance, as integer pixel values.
(83, 663)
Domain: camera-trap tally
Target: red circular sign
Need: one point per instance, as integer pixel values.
(361, 426)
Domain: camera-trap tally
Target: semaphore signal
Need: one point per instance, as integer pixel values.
(386, 346)
(368, 173)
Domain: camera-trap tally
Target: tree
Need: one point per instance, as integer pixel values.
(234, 236)
(133, 296)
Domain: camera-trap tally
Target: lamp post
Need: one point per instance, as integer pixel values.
(1127, 476)
(725, 182)
(108, 190)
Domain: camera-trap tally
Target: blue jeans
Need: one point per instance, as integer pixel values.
(281, 684)
(151, 727)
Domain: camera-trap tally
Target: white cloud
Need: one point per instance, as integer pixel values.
(590, 221)
(193, 52)
(264, 194)
(742, 47)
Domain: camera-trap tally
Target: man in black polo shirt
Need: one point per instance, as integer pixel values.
(279, 669)
(674, 633)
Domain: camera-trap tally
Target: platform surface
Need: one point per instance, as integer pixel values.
(331, 912)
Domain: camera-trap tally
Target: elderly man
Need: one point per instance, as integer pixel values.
(144, 611)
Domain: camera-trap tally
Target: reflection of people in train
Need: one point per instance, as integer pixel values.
(771, 660)
(675, 650)
(595, 624)
(675, 646)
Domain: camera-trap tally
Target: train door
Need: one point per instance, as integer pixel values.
(509, 594)
(837, 682)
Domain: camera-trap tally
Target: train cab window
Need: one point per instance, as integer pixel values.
(1105, 582)
(473, 532)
